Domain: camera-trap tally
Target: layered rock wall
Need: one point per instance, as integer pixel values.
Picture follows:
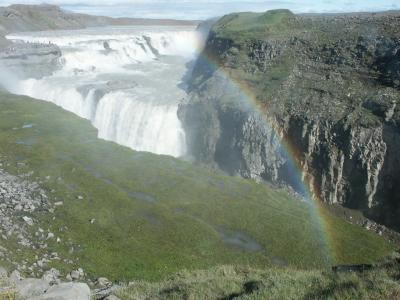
(326, 89)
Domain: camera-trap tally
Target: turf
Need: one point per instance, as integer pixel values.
(239, 26)
(156, 215)
(227, 282)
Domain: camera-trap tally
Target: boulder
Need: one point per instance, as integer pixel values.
(74, 275)
(66, 291)
(77, 274)
(68, 277)
(31, 287)
(103, 282)
(15, 277)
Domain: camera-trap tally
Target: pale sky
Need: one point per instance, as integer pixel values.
(202, 9)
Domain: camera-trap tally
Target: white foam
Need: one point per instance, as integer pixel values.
(86, 48)
(141, 116)
(141, 125)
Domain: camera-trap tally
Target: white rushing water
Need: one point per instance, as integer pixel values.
(128, 81)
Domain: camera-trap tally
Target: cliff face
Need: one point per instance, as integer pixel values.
(30, 60)
(327, 86)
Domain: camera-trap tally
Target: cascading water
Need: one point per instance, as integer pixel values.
(127, 81)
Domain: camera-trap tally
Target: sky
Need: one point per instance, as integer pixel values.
(203, 9)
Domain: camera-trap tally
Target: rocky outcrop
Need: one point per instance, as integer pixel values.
(314, 94)
(24, 60)
(231, 136)
(42, 289)
(50, 287)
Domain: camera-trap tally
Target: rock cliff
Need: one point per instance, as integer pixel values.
(325, 87)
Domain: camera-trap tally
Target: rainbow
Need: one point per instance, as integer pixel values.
(305, 184)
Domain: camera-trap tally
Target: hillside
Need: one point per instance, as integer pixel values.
(275, 94)
(17, 18)
(303, 108)
(380, 282)
(124, 214)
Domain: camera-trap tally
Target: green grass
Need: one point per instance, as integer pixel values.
(286, 62)
(253, 25)
(246, 30)
(229, 282)
(8, 291)
(156, 215)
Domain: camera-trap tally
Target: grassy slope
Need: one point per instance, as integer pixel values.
(241, 283)
(156, 215)
(240, 26)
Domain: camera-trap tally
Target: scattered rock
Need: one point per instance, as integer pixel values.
(68, 277)
(20, 199)
(28, 220)
(103, 282)
(3, 272)
(52, 276)
(48, 287)
(77, 274)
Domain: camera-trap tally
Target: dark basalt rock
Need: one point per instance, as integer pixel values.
(30, 60)
(327, 85)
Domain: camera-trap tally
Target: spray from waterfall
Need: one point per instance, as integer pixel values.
(8, 81)
(126, 81)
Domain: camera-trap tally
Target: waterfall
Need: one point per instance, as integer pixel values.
(127, 81)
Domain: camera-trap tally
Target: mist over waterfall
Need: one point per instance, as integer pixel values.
(128, 81)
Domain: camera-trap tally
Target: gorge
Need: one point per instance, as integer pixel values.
(138, 149)
(327, 86)
(129, 82)
(314, 95)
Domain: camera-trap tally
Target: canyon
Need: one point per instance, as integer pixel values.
(327, 86)
(138, 151)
